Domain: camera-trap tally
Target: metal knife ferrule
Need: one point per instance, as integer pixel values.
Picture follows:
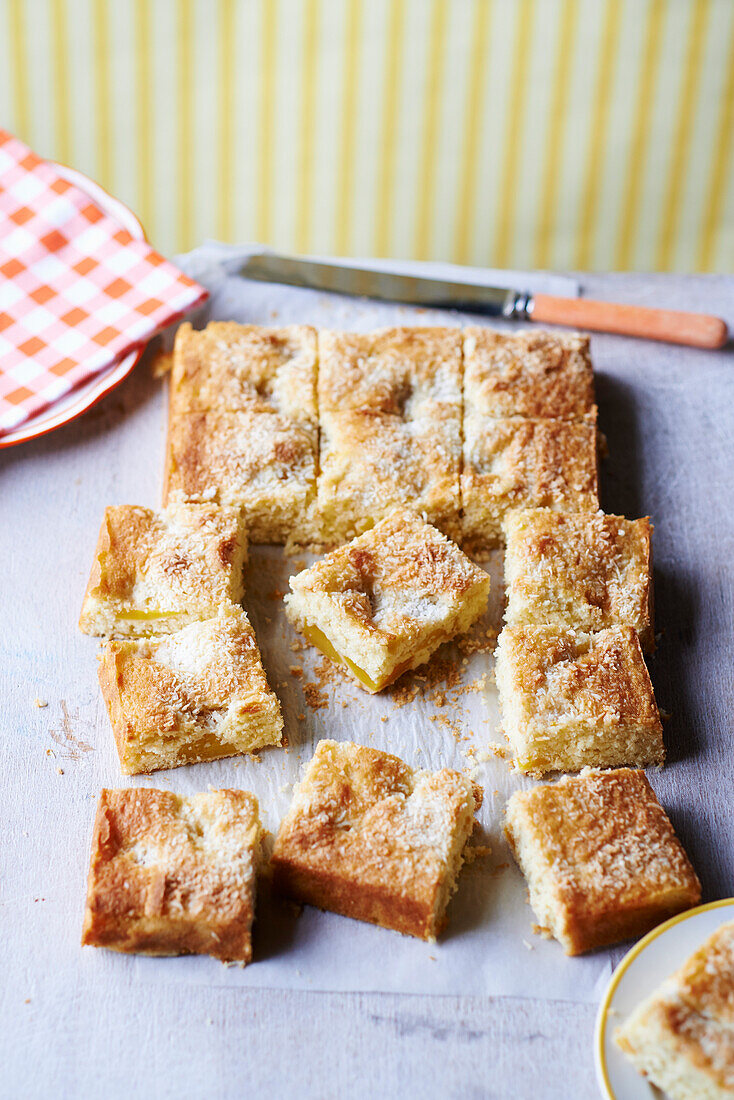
(518, 306)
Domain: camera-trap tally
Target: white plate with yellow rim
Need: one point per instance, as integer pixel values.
(641, 971)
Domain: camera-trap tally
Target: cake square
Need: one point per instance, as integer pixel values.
(372, 464)
(369, 838)
(390, 413)
(582, 570)
(600, 857)
(408, 372)
(571, 700)
(682, 1036)
(154, 572)
(199, 694)
(534, 373)
(386, 601)
(521, 462)
(172, 875)
(256, 460)
(228, 367)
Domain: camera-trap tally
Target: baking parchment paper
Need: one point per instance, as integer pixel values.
(444, 715)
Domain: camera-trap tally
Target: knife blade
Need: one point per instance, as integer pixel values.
(386, 286)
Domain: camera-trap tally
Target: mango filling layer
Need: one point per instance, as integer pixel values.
(148, 615)
(317, 638)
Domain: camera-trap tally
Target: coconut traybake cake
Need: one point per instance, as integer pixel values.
(172, 875)
(569, 699)
(582, 570)
(229, 367)
(600, 857)
(682, 1036)
(519, 462)
(390, 417)
(369, 838)
(154, 572)
(532, 374)
(384, 603)
(318, 436)
(198, 694)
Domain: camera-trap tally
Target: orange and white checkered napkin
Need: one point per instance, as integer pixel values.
(77, 291)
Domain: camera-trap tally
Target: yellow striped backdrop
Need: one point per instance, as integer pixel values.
(593, 134)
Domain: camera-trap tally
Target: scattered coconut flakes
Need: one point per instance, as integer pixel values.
(41, 702)
(478, 640)
(315, 696)
(540, 930)
(480, 851)
(494, 748)
(161, 363)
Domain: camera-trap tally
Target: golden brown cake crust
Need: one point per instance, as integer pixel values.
(369, 838)
(386, 601)
(598, 674)
(172, 876)
(186, 560)
(406, 372)
(525, 463)
(571, 699)
(259, 461)
(390, 413)
(704, 1043)
(198, 694)
(706, 980)
(607, 853)
(372, 463)
(402, 556)
(228, 366)
(534, 373)
(587, 571)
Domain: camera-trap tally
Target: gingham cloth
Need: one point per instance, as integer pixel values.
(77, 291)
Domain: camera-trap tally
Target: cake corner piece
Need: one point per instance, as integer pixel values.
(531, 373)
(524, 462)
(582, 570)
(570, 699)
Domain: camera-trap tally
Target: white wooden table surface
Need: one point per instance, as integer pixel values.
(669, 418)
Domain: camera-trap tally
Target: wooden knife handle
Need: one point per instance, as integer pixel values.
(700, 330)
